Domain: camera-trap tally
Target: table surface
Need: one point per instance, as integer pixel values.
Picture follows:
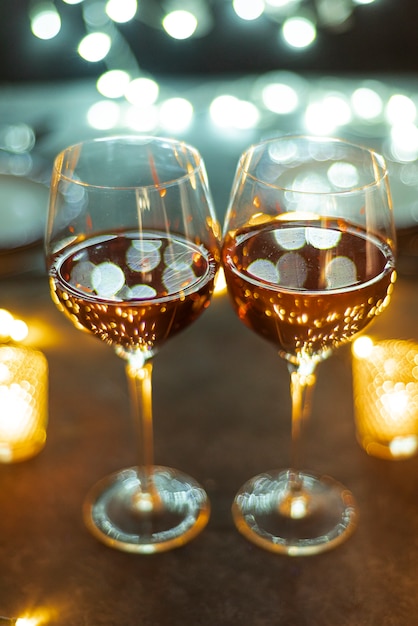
(222, 414)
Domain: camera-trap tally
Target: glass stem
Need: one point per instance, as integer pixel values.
(140, 387)
(302, 383)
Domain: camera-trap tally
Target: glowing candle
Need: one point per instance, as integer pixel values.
(385, 385)
(23, 402)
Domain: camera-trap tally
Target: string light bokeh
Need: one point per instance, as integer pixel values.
(130, 95)
(130, 98)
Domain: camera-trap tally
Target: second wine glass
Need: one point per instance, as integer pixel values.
(132, 248)
(308, 256)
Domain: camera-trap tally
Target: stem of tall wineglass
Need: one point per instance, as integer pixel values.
(302, 383)
(146, 508)
(140, 389)
(292, 511)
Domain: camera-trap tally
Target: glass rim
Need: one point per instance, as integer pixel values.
(381, 169)
(134, 138)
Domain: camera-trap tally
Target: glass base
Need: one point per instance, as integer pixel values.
(317, 516)
(124, 515)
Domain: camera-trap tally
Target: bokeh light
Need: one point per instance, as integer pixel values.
(142, 119)
(142, 91)
(317, 121)
(113, 84)
(400, 107)
(362, 346)
(45, 21)
(180, 24)
(280, 98)
(248, 10)
(367, 103)
(103, 115)
(11, 327)
(121, 11)
(299, 32)
(228, 111)
(404, 141)
(176, 114)
(94, 47)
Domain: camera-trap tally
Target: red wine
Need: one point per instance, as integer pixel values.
(133, 292)
(307, 288)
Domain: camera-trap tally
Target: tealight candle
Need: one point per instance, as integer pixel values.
(385, 386)
(23, 402)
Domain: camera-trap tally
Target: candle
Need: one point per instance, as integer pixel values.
(385, 387)
(23, 402)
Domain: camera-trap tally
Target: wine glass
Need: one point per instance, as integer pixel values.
(308, 257)
(132, 249)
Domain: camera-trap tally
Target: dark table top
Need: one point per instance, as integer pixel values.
(222, 414)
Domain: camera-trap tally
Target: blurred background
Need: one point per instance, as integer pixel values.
(40, 38)
(220, 74)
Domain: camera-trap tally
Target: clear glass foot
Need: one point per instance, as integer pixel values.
(120, 513)
(317, 516)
